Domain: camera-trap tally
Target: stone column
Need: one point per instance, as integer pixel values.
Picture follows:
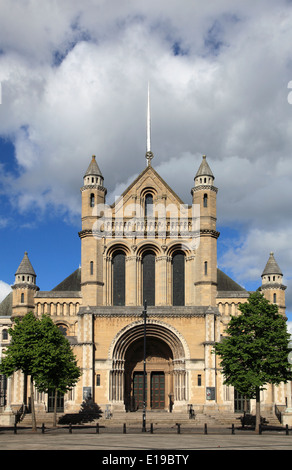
(131, 280)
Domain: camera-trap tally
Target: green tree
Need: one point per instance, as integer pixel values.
(56, 364)
(21, 353)
(40, 351)
(255, 351)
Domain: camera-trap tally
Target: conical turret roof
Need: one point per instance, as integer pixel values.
(25, 266)
(204, 169)
(272, 266)
(93, 169)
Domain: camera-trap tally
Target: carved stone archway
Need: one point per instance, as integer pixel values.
(166, 353)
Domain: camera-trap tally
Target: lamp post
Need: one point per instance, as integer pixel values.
(144, 314)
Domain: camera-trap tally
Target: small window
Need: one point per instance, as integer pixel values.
(4, 335)
(22, 298)
(63, 329)
(98, 380)
(205, 200)
(275, 298)
(91, 200)
(206, 267)
(148, 205)
(199, 380)
(91, 268)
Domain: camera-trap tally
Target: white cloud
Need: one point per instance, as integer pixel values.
(5, 289)
(74, 82)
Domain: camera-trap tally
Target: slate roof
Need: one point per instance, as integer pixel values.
(272, 266)
(71, 286)
(71, 283)
(6, 306)
(226, 287)
(204, 169)
(93, 168)
(25, 266)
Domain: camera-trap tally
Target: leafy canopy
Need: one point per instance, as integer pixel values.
(38, 348)
(255, 350)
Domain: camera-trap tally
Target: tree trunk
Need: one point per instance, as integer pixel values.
(25, 407)
(55, 408)
(33, 417)
(258, 411)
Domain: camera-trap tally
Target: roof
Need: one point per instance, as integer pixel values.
(25, 266)
(226, 284)
(272, 266)
(225, 287)
(71, 283)
(204, 169)
(6, 306)
(93, 168)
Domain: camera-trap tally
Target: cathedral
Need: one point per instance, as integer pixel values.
(148, 278)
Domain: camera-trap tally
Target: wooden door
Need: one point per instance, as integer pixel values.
(157, 391)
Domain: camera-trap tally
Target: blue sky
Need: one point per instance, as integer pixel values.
(74, 83)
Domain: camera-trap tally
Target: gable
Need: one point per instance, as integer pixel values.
(148, 181)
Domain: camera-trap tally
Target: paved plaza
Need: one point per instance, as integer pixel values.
(117, 441)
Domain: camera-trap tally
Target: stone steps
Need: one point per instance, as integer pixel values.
(158, 418)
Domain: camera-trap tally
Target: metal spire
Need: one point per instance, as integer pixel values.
(149, 154)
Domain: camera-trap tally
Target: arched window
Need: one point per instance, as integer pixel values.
(275, 298)
(63, 329)
(205, 200)
(148, 205)
(148, 276)
(22, 298)
(4, 334)
(91, 200)
(118, 271)
(178, 279)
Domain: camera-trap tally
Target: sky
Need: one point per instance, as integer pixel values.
(74, 78)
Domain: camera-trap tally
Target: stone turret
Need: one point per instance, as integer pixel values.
(205, 196)
(24, 288)
(272, 283)
(93, 195)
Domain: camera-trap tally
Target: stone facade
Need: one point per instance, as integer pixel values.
(148, 246)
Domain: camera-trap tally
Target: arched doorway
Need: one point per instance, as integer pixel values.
(166, 383)
(159, 375)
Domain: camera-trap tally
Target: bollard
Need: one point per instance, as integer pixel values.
(178, 428)
(151, 428)
(43, 428)
(205, 429)
(70, 428)
(287, 430)
(97, 428)
(124, 429)
(232, 429)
